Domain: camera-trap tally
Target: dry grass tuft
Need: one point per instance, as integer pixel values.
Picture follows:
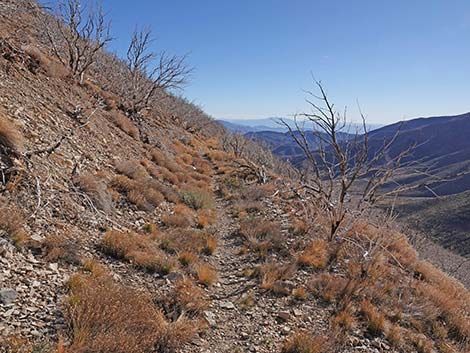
(261, 235)
(197, 198)
(299, 293)
(206, 217)
(302, 342)
(10, 137)
(187, 297)
(344, 320)
(206, 274)
(141, 250)
(316, 254)
(125, 124)
(375, 319)
(154, 261)
(61, 248)
(11, 222)
(98, 192)
(299, 227)
(272, 274)
(328, 286)
(133, 325)
(182, 217)
(187, 258)
(191, 240)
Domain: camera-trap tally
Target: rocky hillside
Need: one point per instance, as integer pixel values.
(178, 242)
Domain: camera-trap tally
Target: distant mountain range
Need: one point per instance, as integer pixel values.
(273, 124)
(443, 149)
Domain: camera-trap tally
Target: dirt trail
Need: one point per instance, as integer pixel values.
(242, 317)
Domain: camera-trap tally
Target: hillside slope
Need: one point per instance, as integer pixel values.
(445, 219)
(110, 242)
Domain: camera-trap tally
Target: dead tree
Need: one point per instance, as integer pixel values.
(235, 143)
(151, 72)
(78, 33)
(343, 173)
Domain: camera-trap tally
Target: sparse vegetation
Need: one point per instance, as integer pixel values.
(206, 274)
(133, 325)
(302, 342)
(10, 136)
(315, 255)
(197, 198)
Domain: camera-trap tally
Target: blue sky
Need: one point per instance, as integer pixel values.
(400, 59)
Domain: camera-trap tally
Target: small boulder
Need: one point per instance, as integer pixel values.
(7, 295)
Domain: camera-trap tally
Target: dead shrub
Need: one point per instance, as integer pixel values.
(316, 254)
(188, 298)
(61, 248)
(302, 342)
(10, 136)
(197, 198)
(187, 258)
(125, 124)
(328, 286)
(155, 261)
(133, 325)
(97, 190)
(375, 319)
(206, 274)
(344, 320)
(261, 235)
(271, 274)
(206, 217)
(11, 222)
(133, 170)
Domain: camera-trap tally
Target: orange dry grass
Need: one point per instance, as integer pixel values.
(315, 255)
(106, 317)
(11, 222)
(344, 320)
(125, 124)
(302, 342)
(188, 297)
(187, 258)
(192, 240)
(206, 217)
(10, 136)
(328, 286)
(261, 235)
(206, 274)
(271, 273)
(375, 319)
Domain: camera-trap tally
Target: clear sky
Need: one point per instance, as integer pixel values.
(400, 59)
